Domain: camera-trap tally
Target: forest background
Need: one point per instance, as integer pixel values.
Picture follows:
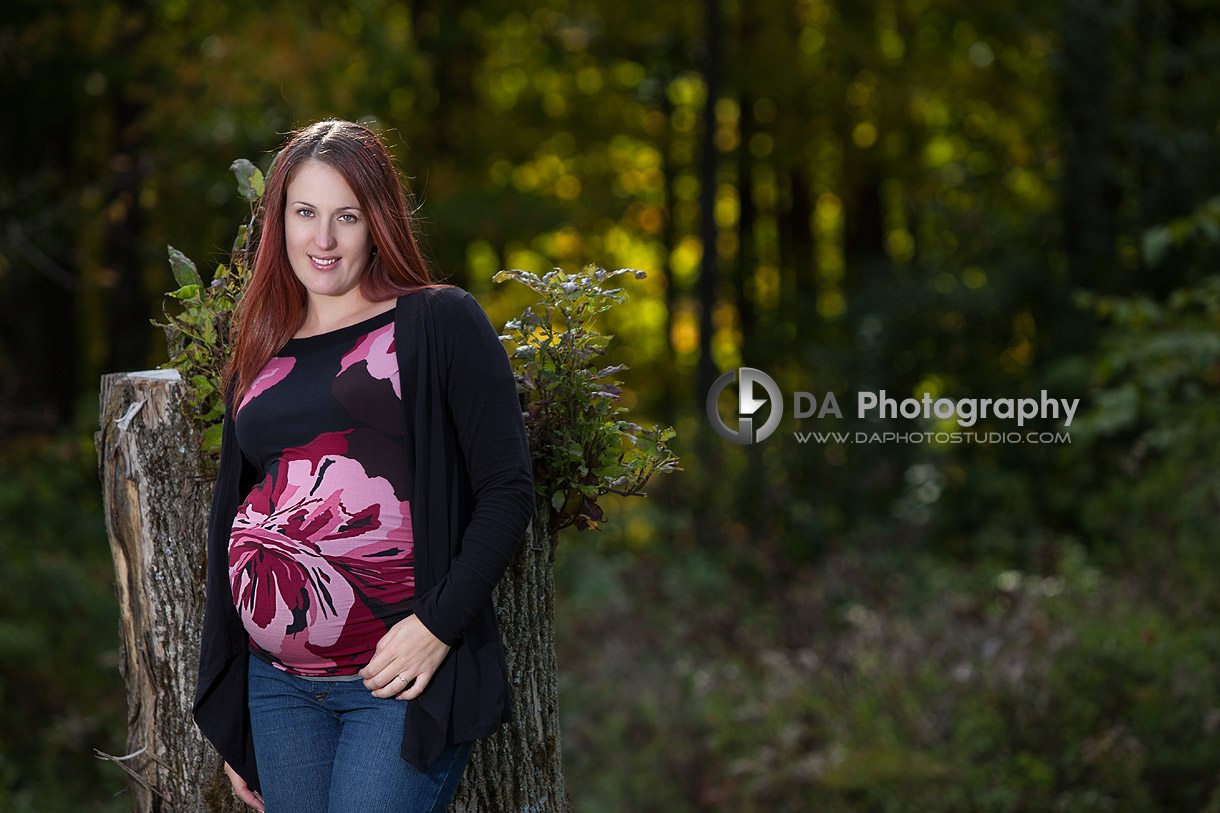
(973, 199)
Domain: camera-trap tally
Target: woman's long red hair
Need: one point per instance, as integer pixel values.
(273, 305)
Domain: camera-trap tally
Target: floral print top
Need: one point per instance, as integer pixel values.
(321, 552)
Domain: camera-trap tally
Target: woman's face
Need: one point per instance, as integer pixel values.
(326, 233)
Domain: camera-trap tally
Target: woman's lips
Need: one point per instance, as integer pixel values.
(324, 262)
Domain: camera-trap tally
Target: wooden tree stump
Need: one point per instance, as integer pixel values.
(157, 492)
(157, 496)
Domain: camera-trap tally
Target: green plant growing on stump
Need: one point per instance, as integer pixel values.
(198, 332)
(584, 447)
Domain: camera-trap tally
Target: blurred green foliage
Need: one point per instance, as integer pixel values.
(1155, 426)
(61, 696)
(952, 689)
(973, 199)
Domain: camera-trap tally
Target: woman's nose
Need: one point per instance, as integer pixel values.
(324, 234)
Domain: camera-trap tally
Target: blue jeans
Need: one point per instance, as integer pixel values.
(332, 747)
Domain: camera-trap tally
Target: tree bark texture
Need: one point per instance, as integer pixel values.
(520, 768)
(157, 494)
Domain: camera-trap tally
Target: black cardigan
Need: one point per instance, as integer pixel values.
(472, 496)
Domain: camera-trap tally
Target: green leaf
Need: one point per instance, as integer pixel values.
(249, 179)
(186, 292)
(211, 438)
(243, 235)
(184, 270)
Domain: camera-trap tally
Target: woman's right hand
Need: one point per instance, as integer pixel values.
(243, 791)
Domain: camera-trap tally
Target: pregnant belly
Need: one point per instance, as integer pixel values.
(314, 614)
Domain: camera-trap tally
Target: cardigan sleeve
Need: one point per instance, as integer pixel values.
(220, 693)
(481, 399)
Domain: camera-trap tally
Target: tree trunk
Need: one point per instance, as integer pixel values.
(520, 768)
(157, 495)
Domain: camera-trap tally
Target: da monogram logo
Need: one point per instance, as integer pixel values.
(747, 406)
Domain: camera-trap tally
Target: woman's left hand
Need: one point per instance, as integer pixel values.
(407, 652)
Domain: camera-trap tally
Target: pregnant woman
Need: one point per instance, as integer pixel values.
(374, 483)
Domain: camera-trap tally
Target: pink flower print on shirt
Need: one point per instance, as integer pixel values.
(273, 372)
(315, 551)
(376, 349)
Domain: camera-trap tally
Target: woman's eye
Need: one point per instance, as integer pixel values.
(305, 212)
(348, 218)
